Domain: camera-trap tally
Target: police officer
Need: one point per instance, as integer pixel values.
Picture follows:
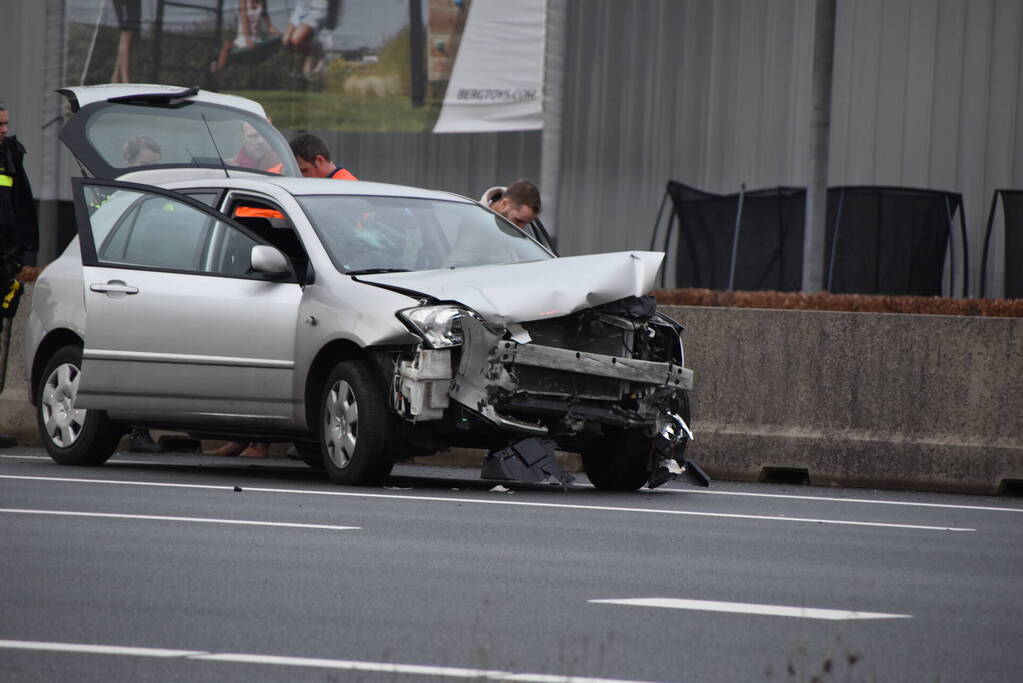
(19, 237)
(19, 227)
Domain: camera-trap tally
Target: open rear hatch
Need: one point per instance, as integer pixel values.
(119, 129)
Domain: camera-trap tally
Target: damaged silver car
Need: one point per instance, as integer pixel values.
(211, 291)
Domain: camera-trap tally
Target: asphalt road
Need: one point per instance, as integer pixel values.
(190, 568)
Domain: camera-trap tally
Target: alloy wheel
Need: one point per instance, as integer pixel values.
(341, 428)
(63, 422)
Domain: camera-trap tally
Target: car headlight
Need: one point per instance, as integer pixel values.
(440, 326)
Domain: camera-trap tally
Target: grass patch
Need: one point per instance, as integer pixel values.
(335, 111)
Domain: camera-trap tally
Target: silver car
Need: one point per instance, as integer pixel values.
(213, 291)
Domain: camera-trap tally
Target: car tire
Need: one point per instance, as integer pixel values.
(311, 454)
(621, 460)
(355, 426)
(72, 436)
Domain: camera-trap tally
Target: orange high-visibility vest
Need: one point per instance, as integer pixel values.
(254, 212)
(342, 173)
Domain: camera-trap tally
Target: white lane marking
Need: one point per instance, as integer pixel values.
(161, 518)
(96, 649)
(116, 461)
(828, 499)
(754, 608)
(833, 499)
(481, 501)
(307, 662)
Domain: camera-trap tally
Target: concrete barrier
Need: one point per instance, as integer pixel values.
(17, 417)
(851, 399)
(857, 399)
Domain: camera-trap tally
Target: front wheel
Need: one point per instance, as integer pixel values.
(355, 426)
(311, 454)
(72, 436)
(620, 461)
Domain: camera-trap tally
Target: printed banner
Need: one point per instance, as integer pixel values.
(497, 81)
(353, 65)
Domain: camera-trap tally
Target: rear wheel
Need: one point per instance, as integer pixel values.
(355, 426)
(72, 436)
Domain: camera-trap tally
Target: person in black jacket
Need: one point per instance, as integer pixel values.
(19, 226)
(19, 237)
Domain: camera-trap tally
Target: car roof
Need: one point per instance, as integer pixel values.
(83, 95)
(303, 186)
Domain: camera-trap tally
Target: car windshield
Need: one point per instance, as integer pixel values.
(387, 234)
(129, 136)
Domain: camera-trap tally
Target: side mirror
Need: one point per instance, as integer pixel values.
(269, 260)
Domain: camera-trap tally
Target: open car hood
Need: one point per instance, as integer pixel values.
(520, 292)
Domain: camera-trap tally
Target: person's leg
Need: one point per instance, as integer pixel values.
(256, 449)
(313, 59)
(221, 61)
(122, 67)
(300, 38)
(229, 449)
(288, 38)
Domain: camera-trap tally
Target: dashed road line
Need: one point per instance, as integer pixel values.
(752, 608)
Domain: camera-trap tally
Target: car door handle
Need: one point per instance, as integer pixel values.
(113, 287)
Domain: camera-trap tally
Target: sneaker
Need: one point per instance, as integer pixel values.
(141, 442)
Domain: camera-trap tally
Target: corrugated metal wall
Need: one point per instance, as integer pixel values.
(930, 94)
(926, 93)
(710, 94)
(466, 164)
(23, 58)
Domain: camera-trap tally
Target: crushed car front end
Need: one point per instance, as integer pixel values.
(608, 382)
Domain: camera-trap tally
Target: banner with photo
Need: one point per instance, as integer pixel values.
(351, 65)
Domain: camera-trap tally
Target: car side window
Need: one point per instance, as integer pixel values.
(210, 198)
(137, 228)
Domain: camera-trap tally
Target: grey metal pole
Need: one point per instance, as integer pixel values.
(553, 88)
(820, 128)
(417, 50)
(735, 237)
(52, 109)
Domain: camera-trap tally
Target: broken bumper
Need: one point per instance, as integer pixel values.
(497, 373)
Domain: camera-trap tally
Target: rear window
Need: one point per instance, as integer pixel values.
(124, 137)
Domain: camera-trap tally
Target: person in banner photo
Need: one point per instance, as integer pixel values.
(129, 21)
(307, 20)
(256, 37)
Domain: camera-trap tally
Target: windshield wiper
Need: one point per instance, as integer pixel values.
(375, 271)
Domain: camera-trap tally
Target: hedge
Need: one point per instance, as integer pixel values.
(824, 301)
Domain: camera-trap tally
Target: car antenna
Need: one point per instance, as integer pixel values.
(214, 141)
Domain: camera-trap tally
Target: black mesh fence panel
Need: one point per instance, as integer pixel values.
(769, 250)
(879, 240)
(1012, 205)
(889, 240)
